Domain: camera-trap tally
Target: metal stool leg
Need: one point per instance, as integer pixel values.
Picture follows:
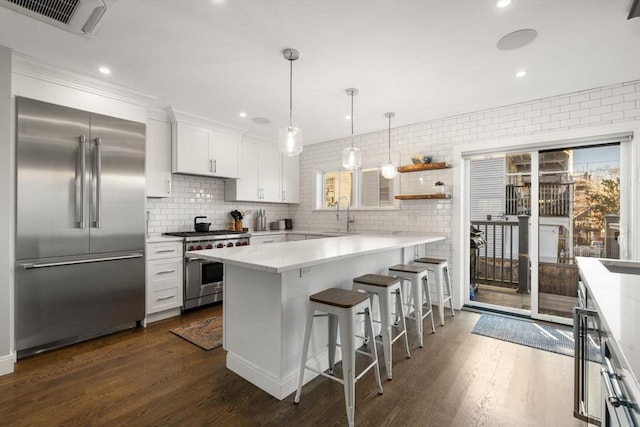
(400, 318)
(305, 350)
(448, 282)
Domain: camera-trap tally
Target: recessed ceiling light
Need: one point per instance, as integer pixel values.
(243, 114)
(503, 3)
(104, 70)
(347, 117)
(521, 73)
(261, 120)
(517, 39)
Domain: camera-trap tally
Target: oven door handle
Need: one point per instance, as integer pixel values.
(579, 376)
(196, 259)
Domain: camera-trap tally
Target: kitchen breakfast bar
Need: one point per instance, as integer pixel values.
(266, 292)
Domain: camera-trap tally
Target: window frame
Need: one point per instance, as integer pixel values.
(356, 204)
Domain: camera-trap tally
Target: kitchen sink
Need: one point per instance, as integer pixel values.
(622, 267)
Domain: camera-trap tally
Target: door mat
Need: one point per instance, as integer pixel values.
(206, 334)
(556, 339)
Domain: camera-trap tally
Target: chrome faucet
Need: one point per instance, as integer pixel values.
(349, 219)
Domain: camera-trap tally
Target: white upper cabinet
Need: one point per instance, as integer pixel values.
(203, 150)
(158, 155)
(290, 179)
(260, 171)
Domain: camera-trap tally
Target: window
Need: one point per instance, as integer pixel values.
(375, 190)
(365, 188)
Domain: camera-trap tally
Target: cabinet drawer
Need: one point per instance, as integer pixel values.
(164, 299)
(164, 250)
(164, 284)
(159, 271)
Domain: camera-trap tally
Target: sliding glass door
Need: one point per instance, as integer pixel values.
(530, 214)
(578, 215)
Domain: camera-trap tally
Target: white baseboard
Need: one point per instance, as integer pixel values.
(154, 317)
(7, 363)
(279, 388)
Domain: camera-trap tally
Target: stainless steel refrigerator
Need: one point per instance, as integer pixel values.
(80, 225)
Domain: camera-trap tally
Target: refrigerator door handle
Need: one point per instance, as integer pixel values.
(31, 266)
(80, 182)
(98, 184)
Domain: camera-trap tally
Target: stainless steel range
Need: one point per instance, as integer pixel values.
(203, 278)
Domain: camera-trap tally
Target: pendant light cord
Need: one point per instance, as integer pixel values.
(352, 93)
(389, 138)
(290, 91)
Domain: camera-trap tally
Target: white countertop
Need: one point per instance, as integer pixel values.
(286, 256)
(617, 298)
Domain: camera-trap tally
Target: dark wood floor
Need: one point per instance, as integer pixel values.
(150, 377)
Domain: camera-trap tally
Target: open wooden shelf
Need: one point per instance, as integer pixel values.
(423, 167)
(421, 196)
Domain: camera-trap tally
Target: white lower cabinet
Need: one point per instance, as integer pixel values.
(164, 276)
(271, 238)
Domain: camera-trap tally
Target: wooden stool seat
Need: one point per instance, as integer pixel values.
(337, 297)
(377, 280)
(427, 260)
(408, 268)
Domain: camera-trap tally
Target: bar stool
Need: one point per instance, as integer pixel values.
(386, 288)
(440, 269)
(416, 274)
(341, 306)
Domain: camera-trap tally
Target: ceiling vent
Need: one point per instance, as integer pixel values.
(75, 16)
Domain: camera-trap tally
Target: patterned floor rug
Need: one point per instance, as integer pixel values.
(206, 334)
(556, 339)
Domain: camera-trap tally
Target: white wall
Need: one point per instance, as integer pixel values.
(7, 355)
(439, 138)
(201, 195)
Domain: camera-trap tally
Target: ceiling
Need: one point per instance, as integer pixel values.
(422, 59)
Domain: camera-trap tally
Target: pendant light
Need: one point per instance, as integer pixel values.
(290, 137)
(389, 169)
(351, 157)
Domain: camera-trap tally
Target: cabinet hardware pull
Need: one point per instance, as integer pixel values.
(80, 182)
(166, 298)
(166, 271)
(164, 251)
(98, 183)
(84, 261)
(210, 165)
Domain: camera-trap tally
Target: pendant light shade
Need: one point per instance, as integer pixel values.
(389, 169)
(351, 156)
(290, 137)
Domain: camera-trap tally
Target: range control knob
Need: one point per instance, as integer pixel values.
(230, 244)
(199, 247)
(191, 248)
(245, 243)
(238, 243)
(220, 245)
(209, 246)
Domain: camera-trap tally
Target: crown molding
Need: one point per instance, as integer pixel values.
(34, 68)
(182, 116)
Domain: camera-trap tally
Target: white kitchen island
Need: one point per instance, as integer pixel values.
(266, 292)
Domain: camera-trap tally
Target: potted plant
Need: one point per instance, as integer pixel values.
(438, 186)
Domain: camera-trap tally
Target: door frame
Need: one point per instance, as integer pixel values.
(629, 187)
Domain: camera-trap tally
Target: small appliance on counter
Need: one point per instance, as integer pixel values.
(261, 220)
(288, 224)
(201, 226)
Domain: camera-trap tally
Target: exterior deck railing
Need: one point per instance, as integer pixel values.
(497, 261)
(554, 199)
